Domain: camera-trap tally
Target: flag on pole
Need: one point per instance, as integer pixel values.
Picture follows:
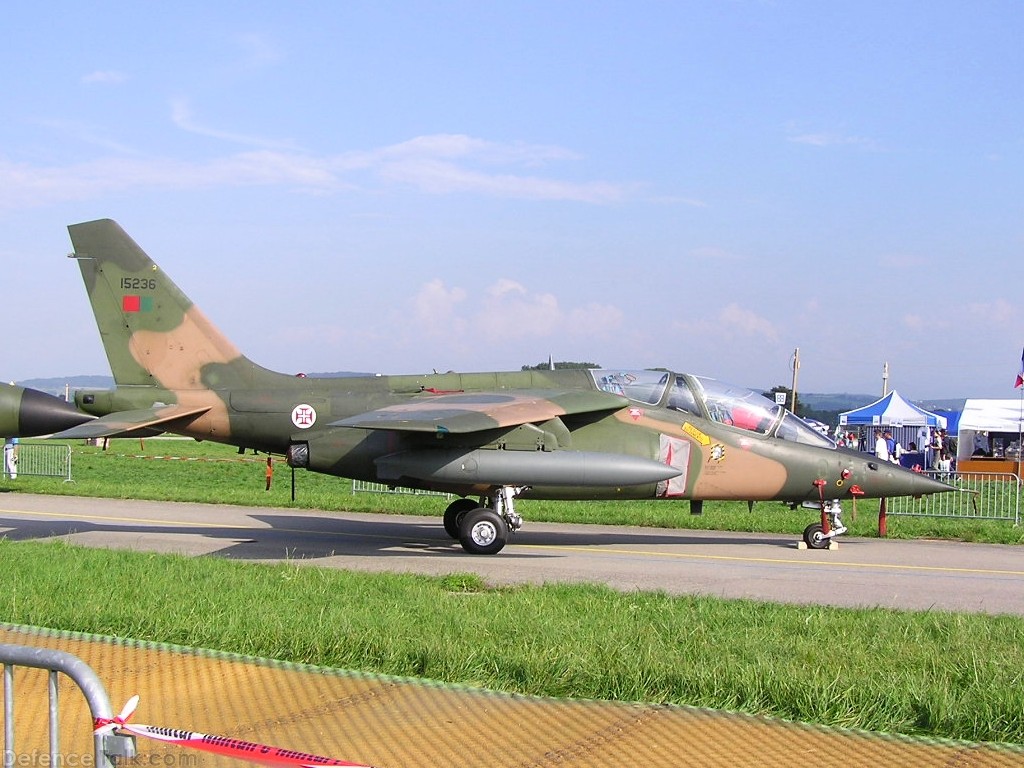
(1020, 375)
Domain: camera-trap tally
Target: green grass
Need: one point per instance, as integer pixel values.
(935, 674)
(208, 472)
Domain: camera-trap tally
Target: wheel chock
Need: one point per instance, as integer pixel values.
(832, 544)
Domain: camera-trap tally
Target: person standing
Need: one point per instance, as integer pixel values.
(881, 446)
(936, 448)
(924, 440)
(11, 457)
(895, 449)
(949, 447)
(890, 446)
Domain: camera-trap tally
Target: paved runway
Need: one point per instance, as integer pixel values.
(919, 575)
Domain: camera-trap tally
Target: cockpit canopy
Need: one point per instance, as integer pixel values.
(710, 399)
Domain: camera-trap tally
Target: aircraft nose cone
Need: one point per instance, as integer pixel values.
(892, 480)
(28, 412)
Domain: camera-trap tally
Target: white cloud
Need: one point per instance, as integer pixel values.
(998, 312)
(825, 138)
(23, 184)
(828, 140)
(258, 52)
(915, 321)
(692, 202)
(511, 312)
(104, 77)
(434, 308)
(455, 145)
(454, 163)
(505, 286)
(433, 165)
(181, 116)
(74, 130)
(746, 323)
(594, 321)
(446, 178)
(732, 321)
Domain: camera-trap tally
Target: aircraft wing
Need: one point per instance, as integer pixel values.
(151, 421)
(465, 412)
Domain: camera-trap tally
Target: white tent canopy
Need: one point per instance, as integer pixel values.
(980, 423)
(991, 416)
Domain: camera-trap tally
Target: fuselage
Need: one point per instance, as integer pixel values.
(717, 441)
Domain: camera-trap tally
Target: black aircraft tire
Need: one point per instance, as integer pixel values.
(814, 536)
(454, 514)
(483, 532)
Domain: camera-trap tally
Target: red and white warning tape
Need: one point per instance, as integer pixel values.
(221, 745)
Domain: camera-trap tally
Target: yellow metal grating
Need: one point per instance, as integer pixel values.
(391, 723)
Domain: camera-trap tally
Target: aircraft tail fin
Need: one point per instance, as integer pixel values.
(152, 332)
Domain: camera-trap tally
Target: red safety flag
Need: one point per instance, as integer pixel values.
(220, 745)
(1020, 375)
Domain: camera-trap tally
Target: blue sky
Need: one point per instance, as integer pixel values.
(401, 187)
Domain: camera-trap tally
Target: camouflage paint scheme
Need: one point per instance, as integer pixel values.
(565, 434)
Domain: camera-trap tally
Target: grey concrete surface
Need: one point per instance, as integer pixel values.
(918, 575)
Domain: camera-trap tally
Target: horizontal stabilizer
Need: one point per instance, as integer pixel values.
(129, 423)
(464, 413)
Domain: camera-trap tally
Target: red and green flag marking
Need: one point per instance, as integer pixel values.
(136, 303)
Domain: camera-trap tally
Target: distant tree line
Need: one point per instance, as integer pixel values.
(802, 410)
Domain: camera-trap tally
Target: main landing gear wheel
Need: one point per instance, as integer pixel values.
(814, 536)
(454, 514)
(483, 532)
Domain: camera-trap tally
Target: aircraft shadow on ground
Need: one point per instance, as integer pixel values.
(300, 537)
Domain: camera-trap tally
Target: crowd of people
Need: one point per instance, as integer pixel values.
(939, 451)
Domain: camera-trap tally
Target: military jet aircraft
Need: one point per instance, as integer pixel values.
(489, 438)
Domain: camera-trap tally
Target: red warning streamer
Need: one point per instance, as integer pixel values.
(220, 745)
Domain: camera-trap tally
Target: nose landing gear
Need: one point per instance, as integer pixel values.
(818, 535)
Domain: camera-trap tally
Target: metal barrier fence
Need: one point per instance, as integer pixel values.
(106, 747)
(44, 460)
(362, 486)
(982, 496)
